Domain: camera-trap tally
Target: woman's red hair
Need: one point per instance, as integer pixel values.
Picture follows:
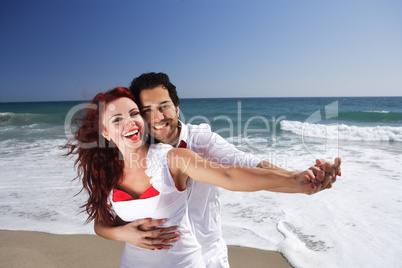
(98, 161)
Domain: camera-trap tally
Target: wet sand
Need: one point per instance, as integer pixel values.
(34, 249)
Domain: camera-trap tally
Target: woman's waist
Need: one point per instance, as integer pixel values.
(182, 254)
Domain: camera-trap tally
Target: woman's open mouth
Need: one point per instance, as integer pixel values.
(132, 134)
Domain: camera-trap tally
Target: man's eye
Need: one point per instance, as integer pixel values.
(165, 107)
(147, 111)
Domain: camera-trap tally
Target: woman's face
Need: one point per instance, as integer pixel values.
(123, 123)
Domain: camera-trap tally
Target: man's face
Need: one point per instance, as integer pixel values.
(160, 114)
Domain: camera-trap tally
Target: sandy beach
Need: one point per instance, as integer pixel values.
(34, 249)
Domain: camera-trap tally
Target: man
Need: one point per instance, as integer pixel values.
(159, 105)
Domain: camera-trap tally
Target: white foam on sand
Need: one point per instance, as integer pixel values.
(36, 191)
(355, 224)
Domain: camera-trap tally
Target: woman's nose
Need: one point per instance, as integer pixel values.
(129, 121)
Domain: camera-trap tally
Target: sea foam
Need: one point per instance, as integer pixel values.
(343, 132)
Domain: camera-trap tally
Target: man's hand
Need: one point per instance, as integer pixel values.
(146, 234)
(142, 233)
(331, 171)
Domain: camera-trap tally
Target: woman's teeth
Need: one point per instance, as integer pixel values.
(161, 126)
(131, 133)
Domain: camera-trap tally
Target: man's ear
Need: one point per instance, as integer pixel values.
(177, 109)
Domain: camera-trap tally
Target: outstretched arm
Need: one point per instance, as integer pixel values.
(185, 163)
(268, 165)
(213, 147)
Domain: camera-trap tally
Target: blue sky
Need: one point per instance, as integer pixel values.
(70, 50)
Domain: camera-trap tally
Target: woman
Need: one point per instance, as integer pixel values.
(129, 179)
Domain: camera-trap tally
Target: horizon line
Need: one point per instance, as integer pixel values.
(41, 101)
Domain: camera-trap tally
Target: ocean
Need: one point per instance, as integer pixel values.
(354, 224)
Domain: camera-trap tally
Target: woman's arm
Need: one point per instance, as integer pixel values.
(184, 163)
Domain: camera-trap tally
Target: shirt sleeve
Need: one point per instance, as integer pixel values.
(214, 148)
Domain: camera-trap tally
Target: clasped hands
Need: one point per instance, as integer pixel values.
(318, 177)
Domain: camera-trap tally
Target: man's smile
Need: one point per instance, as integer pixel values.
(159, 127)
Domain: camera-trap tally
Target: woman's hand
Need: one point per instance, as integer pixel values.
(319, 177)
(308, 181)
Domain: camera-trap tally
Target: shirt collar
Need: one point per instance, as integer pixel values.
(183, 133)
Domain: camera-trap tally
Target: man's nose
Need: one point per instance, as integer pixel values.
(157, 115)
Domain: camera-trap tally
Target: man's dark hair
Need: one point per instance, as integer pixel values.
(150, 81)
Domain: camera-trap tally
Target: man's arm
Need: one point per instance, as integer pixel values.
(212, 147)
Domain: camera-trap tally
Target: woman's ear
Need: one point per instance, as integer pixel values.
(105, 135)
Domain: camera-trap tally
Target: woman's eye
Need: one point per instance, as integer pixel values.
(134, 114)
(116, 120)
